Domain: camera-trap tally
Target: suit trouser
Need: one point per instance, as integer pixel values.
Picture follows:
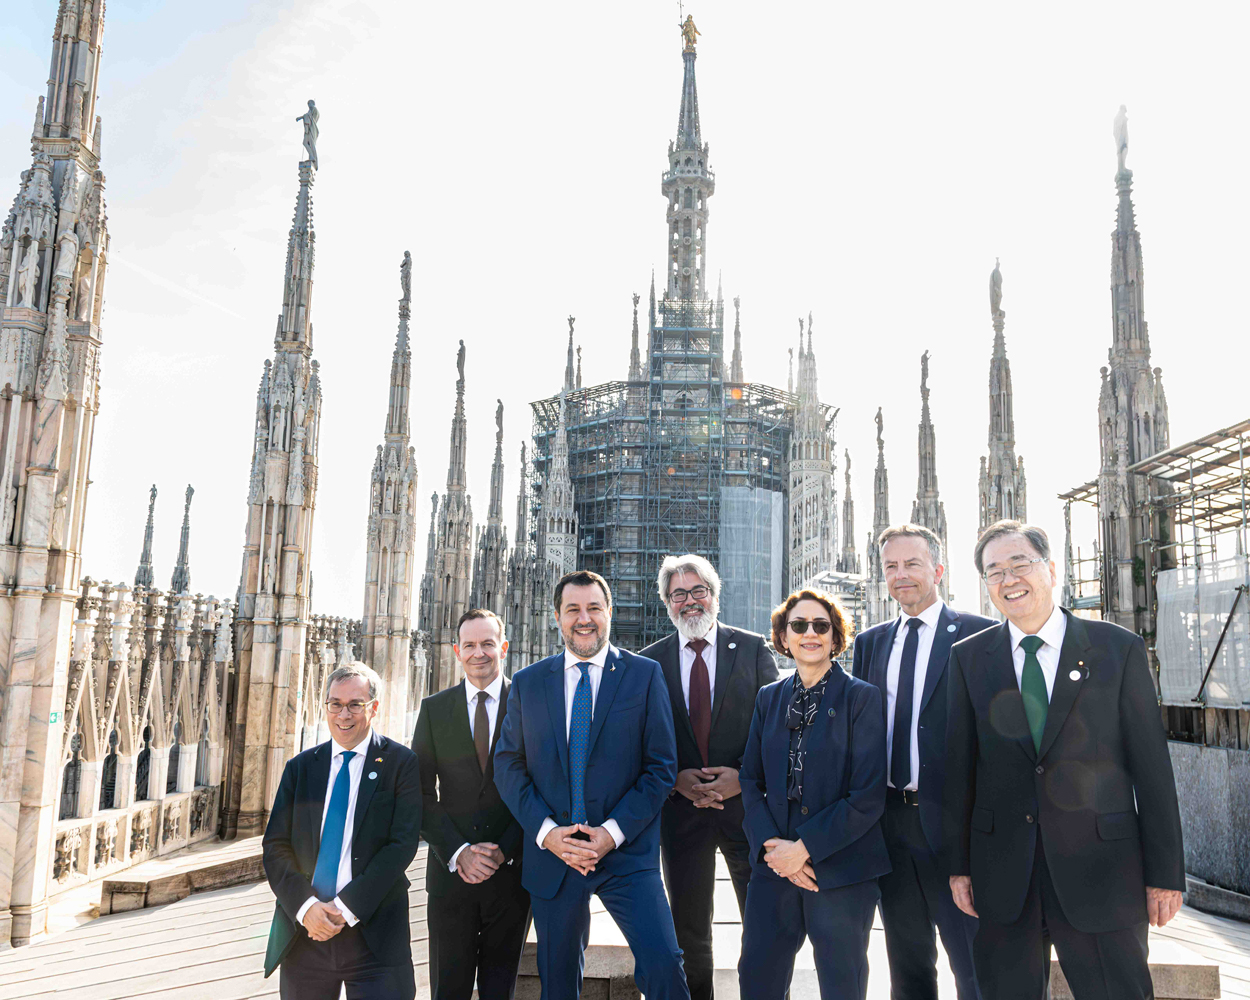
(636, 902)
(1013, 960)
(689, 839)
(915, 897)
(317, 970)
(476, 934)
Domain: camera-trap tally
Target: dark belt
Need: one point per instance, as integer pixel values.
(904, 798)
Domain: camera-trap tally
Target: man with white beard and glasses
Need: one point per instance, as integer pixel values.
(585, 760)
(713, 672)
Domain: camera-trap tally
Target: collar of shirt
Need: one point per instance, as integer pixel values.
(1051, 633)
(492, 689)
(598, 660)
(338, 750)
(709, 635)
(929, 616)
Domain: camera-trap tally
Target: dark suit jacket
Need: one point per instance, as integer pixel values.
(385, 834)
(631, 766)
(1101, 789)
(740, 673)
(871, 663)
(462, 805)
(843, 785)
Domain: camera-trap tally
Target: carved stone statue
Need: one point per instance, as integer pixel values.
(460, 361)
(309, 118)
(996, 290)
(880, 428)
(28, 276)
(689, 32)
(1120, 129)
(499, 417)
(82, 310)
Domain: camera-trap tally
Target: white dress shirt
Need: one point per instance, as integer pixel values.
(356, 768)
(687, 664)
(1051, 634)
(571, 676)
(924, 646)
(492, 713)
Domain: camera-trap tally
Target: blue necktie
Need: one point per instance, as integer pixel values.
(904, 694)
(579, 743)
(325, 882)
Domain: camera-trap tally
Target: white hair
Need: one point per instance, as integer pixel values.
(689, 563)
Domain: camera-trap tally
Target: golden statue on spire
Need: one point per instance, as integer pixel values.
(689, 32)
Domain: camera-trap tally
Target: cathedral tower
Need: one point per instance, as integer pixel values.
(928, 509)
(274, 585)
(813, 524)
(449, 560)
(1132, 418)
(1002, 486)
(557, 527)
(54, 250)
(386, 623)
(490, 564)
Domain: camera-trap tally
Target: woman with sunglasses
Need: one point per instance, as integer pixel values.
(813, 787)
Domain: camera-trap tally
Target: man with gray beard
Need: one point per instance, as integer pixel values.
(713, 673)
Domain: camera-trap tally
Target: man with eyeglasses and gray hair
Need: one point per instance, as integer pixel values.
(713, 672)
(1061, 821)
(344, 828)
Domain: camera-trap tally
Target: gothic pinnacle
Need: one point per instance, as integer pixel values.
(143, 575)
(181, 581)
(569, 374)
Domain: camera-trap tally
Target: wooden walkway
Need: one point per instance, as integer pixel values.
(211, 946)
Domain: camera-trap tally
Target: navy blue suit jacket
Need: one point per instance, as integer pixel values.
(871, 662)
(843, 784)
(630, 769)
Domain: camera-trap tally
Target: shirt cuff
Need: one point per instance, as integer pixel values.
(452, 866)
(299, 915)
(549, 824)
(614, 828)
(350, 917)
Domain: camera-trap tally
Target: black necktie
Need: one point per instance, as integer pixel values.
(900, 754)
(481, 731)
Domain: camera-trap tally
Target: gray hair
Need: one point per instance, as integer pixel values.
(356, 669)
(915, 531)
(689, 563)
(1031, 533)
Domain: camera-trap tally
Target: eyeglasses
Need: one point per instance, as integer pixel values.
(799, 626)
(682, 596)
(1019, 568)
(355, 707)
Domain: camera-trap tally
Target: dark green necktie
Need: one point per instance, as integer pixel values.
(1033, 689)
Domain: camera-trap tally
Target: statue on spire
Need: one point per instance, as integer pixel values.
(499, 419)
(880, 428)
(460, 367)
(689, 32)
(924, 378)
(996, 290)
(309, 118)
(1120, 129)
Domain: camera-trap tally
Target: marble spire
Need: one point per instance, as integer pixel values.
(570, 371)
(735, 365)
(813, 501)
(687, 184)
(880, 508)
(928, 509)
(401, 359)
(848, 558)
(180, 583)
(456, 475)
(557, 534)
(635, 356)
(490, 562)
(143, 575)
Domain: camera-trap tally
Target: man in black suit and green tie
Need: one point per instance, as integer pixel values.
(1061, 818)
(478, 912)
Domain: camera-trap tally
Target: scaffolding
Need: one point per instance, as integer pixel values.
(1082, 576)
(680, 462)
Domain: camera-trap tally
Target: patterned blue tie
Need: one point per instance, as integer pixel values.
(325, 882)
(579, 743)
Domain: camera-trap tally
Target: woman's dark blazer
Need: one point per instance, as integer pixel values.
(844, 784)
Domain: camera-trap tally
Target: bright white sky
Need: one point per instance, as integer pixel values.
(872, 160)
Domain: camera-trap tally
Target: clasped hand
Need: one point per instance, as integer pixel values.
(576, 852)
(790, 860)
(708, 787)
(323, 921)
(478, 862)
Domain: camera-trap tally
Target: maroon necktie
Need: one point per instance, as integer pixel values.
(700, 698)
(481, 731)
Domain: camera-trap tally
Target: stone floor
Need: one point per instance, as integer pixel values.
(210, 946)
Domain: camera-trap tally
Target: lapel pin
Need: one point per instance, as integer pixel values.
(733, 645)
(951, 628)
(372, 775)
(611, 668)
(1074, 676)
(378, 759)
(832, 712)
(1080, 663)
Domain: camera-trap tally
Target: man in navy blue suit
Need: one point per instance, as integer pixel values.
(906, 659)
(585, 760)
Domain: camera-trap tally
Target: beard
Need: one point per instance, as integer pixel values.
(585, 646)
(695, 626)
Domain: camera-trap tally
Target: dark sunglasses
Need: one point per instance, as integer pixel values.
(819, 626)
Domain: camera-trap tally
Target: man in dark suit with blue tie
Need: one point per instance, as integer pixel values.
(345, 826)
(585, 760)
(906, 658)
